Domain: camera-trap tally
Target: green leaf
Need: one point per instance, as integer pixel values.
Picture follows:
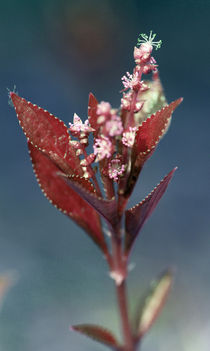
(154, 99)
(153, 304)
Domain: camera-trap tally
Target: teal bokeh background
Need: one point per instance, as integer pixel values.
(56, 52)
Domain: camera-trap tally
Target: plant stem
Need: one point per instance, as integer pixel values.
(123, 308)
(120, 268)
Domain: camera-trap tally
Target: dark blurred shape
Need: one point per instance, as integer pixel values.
(6, 281)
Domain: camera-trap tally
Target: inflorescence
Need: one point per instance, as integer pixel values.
(116, 129)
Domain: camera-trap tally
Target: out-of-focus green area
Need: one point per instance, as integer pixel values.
(56, 52)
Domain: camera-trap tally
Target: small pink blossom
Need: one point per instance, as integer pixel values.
(146, 48)
(114, 126)
(78, 126)
(129, 137)
(103, 108)
(127, 100)
(103, 148)
(150, 66)
(142, 54)
(131, 81)
(115, 169)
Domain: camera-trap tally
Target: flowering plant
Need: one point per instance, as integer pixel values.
(93, 189)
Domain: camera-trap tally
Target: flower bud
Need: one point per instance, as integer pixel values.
(142, 54)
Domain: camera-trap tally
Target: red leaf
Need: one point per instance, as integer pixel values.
(97, 333)
(65, 198)
(106, 208)
(150, 131)
(147, 137)
(92, 115)
(136, 216)
(48, 134)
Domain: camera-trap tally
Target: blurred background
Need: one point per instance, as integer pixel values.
(56, 52)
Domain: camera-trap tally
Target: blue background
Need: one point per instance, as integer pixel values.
(56, 52)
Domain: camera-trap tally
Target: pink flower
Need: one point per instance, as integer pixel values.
(131, 81)
(129, 137)
(126, 102)
(115, 169)
(143, 54)
(150, 66)
(103, 148)
(103, 108)
(114, 126)
(78, 126)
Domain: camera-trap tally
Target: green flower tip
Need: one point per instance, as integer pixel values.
(143, 38)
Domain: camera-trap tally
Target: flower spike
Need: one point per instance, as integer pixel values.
(131, 81)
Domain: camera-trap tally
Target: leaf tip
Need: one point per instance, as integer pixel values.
(92, 98)
(173, 170)
(170, 272)
(179, 101)
(91, 95)
(11, 95)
